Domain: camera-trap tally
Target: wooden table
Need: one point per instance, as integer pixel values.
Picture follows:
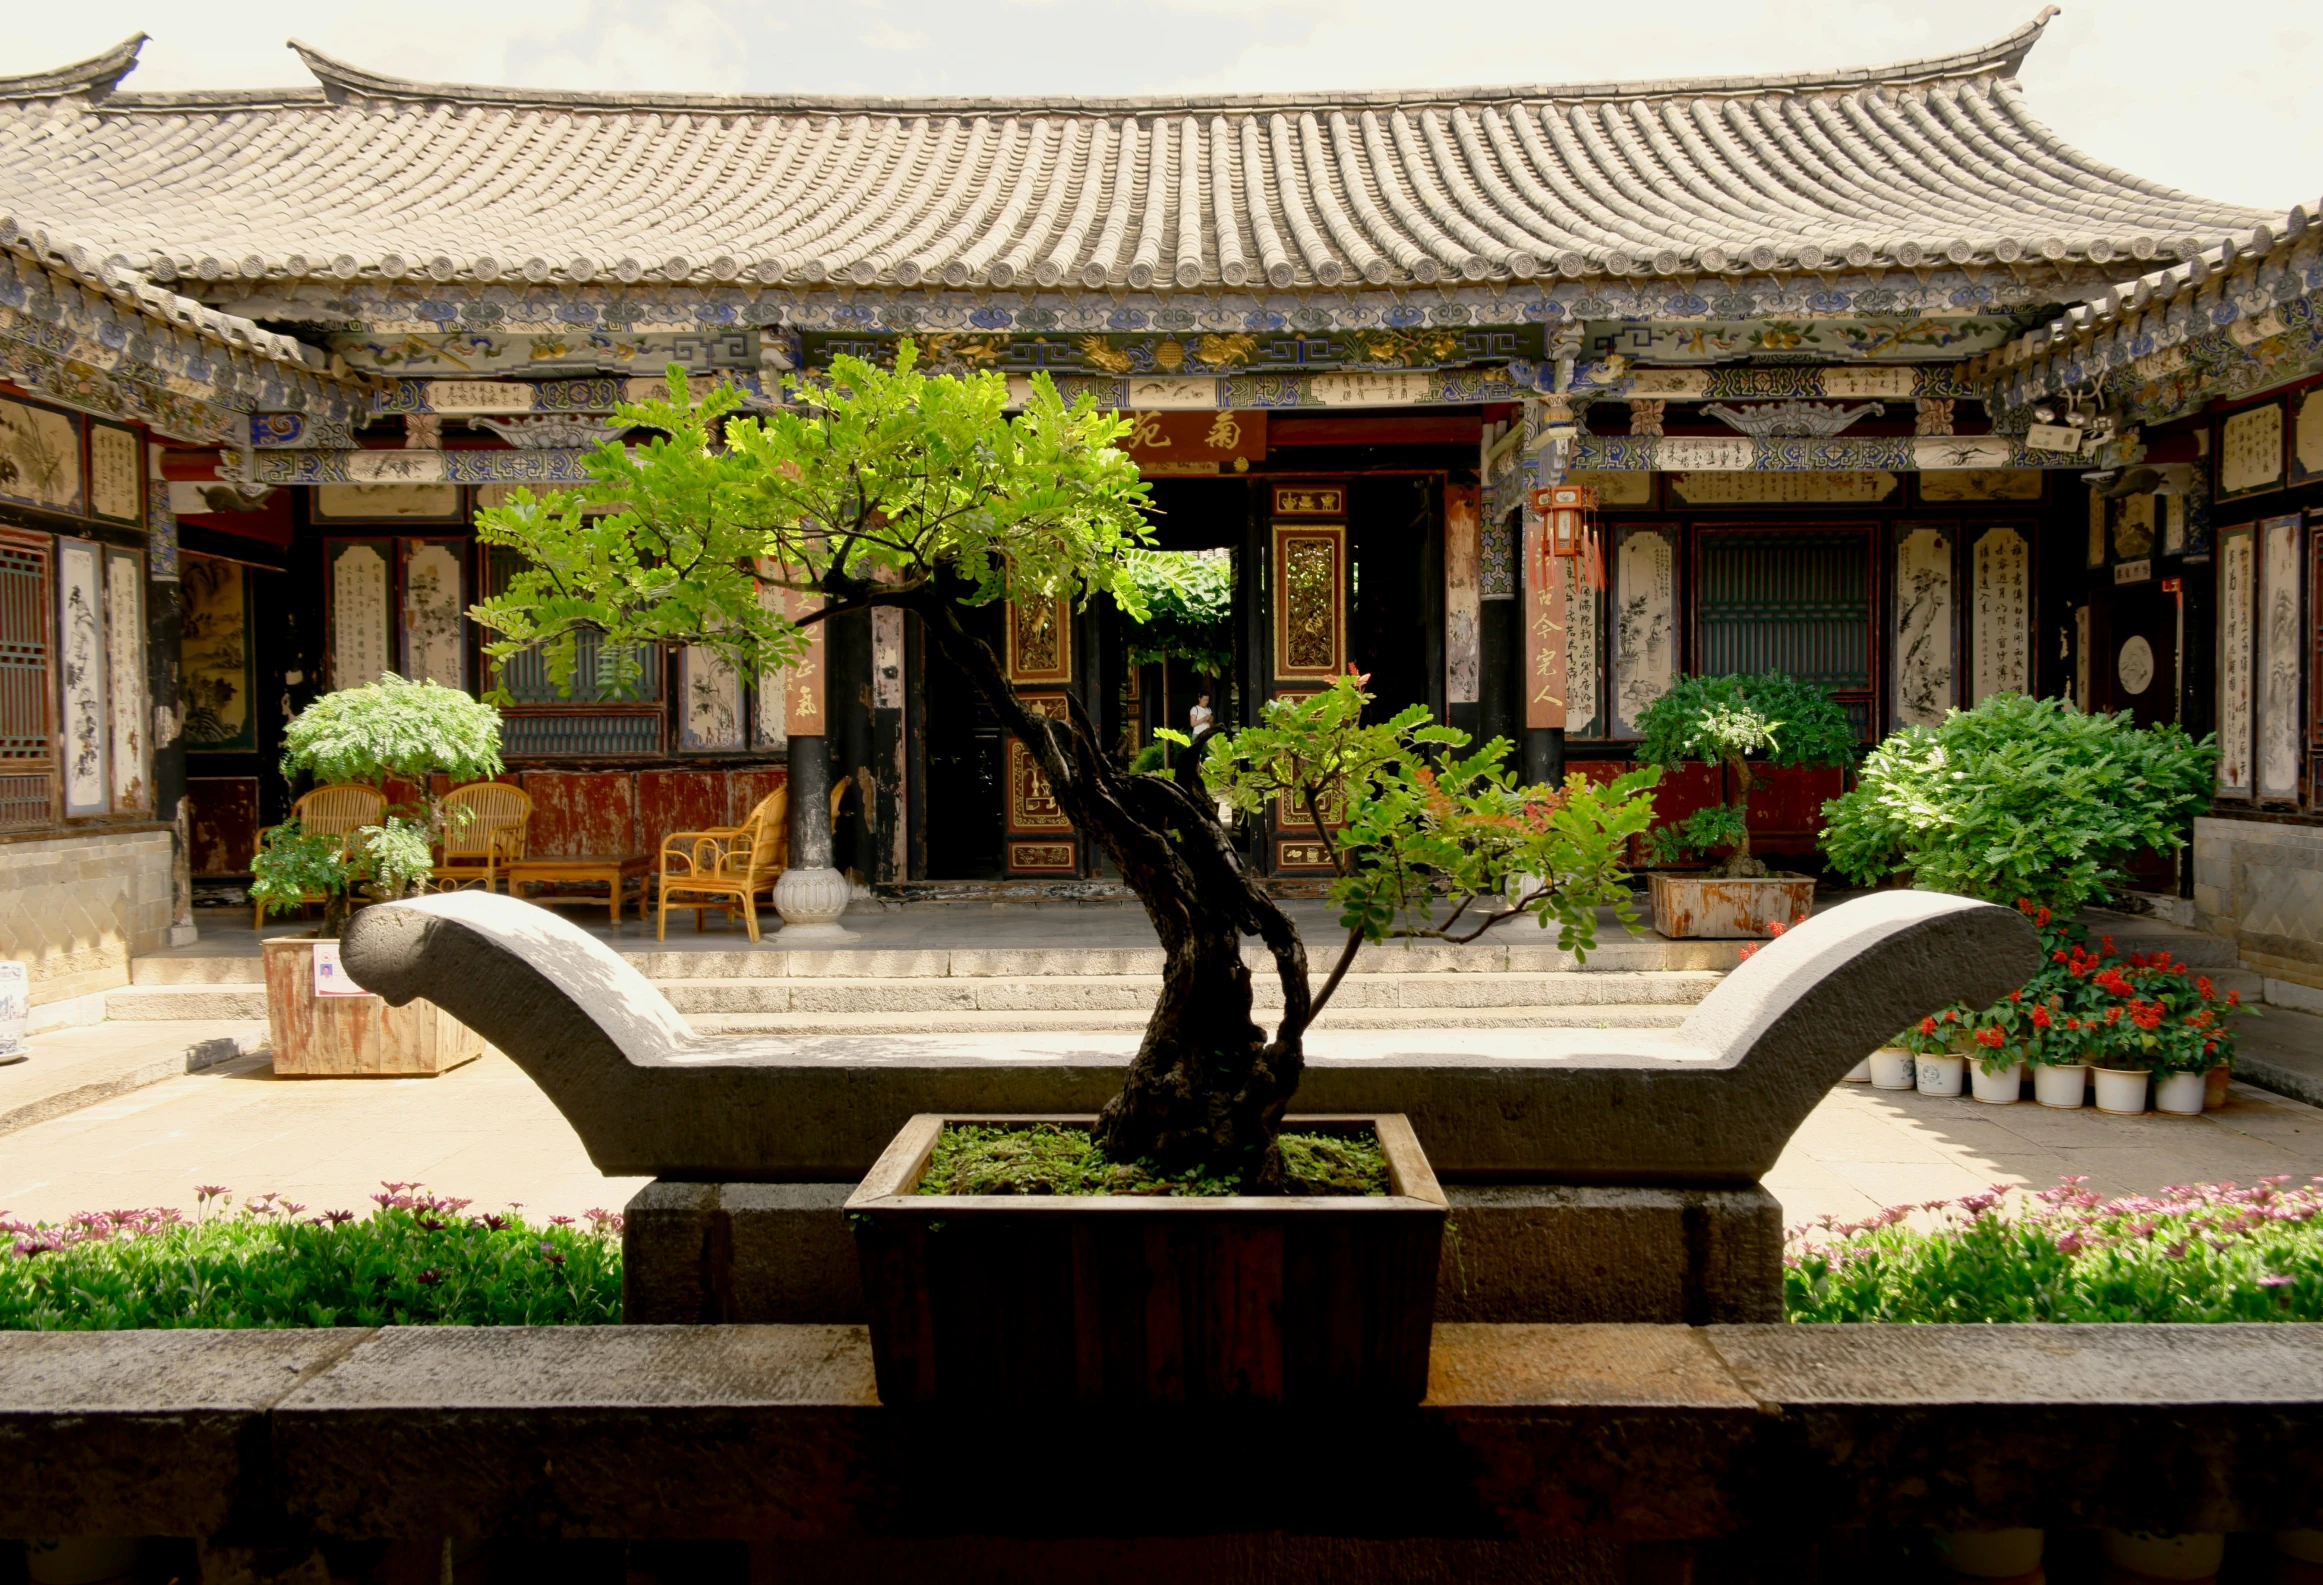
(613, 870)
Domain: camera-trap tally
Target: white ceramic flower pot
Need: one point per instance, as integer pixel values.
(2164, 1556)
(1942, 1075)
(1892, 1069)
(2066, 1088)
(2120, 1092)
(2179, 1093)
(1859, 1074)
(1992, 1554)
(1998, 1089)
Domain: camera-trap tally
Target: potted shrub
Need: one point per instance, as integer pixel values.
(1731, 723)
(886, 487)
(390, 731)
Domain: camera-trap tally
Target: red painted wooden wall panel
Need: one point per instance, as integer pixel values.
(679, 800)
(582, 812)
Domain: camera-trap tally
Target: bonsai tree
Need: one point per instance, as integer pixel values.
(2019, 798)
(1728, 722)
(390, 730)
(890, 487)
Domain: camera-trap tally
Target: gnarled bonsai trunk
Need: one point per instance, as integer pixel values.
(1207, 1088)
(1739, 864)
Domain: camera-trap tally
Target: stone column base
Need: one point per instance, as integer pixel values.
(782, 1253)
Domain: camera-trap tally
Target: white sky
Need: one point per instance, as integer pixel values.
(2215, 98)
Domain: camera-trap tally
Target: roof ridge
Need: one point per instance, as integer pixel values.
(95, 76)
(2000, 58)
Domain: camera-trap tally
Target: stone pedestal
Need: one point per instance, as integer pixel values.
(811, 895)
(782, 1252)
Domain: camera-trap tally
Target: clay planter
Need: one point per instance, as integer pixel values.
(1716, 910)
(1145, 1299)
(354, 1036)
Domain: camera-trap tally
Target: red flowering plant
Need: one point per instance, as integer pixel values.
(2093, 1005)
(1940, 1034)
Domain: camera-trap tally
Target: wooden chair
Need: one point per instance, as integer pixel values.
(727, 865)
(485, 824)
(338, 810)
(731, 864)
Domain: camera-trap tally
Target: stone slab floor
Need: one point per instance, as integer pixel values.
(486, 1133)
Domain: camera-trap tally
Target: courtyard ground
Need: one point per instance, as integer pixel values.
(485, 1132)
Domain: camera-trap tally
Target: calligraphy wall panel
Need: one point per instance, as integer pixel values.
(1584, 659)
(710, 695)
(2000, 614)
(1921, 639)
(1548, 653)
(81, 669)
(125, 678)
(435, 600)
(2237, 600)
(359, 602)
(1645, 621)
(1462, 610)
(214, 663)
(2279, 636)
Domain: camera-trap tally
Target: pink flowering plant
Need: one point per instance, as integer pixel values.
(417, 1259)
(2193, 1252)
(2143, 1011)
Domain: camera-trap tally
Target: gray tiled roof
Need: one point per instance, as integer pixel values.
(1923, 163)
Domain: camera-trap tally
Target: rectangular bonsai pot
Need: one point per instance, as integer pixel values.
(1143, 1299)
(1704, 908)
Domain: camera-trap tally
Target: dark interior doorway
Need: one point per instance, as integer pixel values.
(963, 790)
(1392, 541)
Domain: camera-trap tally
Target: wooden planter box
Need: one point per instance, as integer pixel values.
(354, 1036)
(1149, 1299)
(1728, 910)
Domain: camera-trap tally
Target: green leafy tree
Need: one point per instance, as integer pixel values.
(1410, 824)
(1730, 722)
(390, 730)
(2019, 798)
(880, 487)
(1189, 605)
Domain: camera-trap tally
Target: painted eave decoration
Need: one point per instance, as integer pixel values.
(2235, 319)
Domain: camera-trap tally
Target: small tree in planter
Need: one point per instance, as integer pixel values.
(890, 487)
(1730, 723)
(390, 730)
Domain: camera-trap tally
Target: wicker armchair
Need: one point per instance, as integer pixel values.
(338, 810)
(485, 824)
(726, 867)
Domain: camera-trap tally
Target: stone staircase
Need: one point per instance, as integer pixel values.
(1501, 983)
(1625, 984)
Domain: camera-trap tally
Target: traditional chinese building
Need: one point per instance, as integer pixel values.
(2197, 588)
(1354, 331)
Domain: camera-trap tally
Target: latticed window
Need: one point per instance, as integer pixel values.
(526, 676)
(595, 719)
(1795, 601)
(27, 750)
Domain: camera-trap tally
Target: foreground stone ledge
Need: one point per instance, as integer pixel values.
(1584, 1434)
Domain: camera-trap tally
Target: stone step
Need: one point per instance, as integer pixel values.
(1614, 954)
(1606, 1015)
(1133, 994)
(1138, 992)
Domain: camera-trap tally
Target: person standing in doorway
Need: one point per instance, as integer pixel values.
(1199, 719)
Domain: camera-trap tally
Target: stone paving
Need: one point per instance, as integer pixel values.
(485, 1132)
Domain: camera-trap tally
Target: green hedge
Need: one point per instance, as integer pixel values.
(2200, 1252)
(416, 1260)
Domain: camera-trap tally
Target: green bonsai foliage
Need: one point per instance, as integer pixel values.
(1405, 835)
(382, 862)
(2019, 797)
(1730, 721)
(1189, 602)
(393, 729)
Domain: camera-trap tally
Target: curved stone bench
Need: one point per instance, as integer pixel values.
(1709, 1103)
